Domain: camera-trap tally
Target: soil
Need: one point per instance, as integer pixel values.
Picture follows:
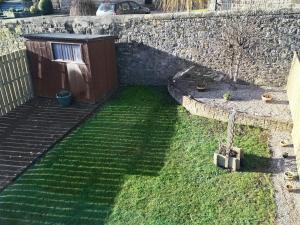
(232, 153)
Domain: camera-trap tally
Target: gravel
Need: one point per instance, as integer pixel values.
(245, 98)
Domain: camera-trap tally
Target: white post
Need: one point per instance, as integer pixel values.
(212, 5)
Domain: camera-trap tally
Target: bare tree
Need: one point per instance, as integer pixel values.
(238, 37)
(181, 5)
(82, 8)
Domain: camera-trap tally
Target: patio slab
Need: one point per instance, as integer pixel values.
(27, 132)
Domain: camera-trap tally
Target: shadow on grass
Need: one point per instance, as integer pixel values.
(255, 163)
(78, 181)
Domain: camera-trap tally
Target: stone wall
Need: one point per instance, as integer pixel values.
(152, 48)
(293, 88)
(258, 4)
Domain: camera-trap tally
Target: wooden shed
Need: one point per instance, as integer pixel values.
(82, 64)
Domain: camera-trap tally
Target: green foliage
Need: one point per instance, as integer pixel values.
(27, 10)
(10, 39)
(9, 13)
(142, 159)
(34, 9)
(227, 96)
(45, 6)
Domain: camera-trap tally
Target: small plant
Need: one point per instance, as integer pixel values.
(45, 6)
(227, 96)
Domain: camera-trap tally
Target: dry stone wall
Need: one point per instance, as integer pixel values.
(152, 48)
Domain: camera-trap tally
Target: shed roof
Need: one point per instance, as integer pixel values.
(67, 37)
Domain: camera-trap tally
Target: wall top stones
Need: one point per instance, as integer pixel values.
(156, 16)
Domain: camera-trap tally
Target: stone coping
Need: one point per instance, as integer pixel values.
(156, 16)
(196, 107)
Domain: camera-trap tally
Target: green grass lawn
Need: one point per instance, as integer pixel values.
(142, 159)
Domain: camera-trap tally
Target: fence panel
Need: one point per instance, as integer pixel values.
(15, 81)
(253, 4)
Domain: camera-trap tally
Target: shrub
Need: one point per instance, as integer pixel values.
(82, 8)
(183, 5)
(227, 96)
(45, 6)
(26, 10)
(34, 9)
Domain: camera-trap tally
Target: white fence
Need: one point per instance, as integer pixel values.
(15, 81)
(254, 4)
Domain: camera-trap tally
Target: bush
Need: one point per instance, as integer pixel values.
(183, 5)
(45, 6)
(82, 8)
(26, 10)
(34, 9)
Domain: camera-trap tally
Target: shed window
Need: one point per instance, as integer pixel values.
(67, 52)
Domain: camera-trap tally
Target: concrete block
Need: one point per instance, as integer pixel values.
(232, 163)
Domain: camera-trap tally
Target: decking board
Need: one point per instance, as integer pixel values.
(30, 130)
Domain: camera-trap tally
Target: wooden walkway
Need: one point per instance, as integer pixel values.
(27, 132)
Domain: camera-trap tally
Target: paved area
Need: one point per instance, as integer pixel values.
(288, 203)
(245, 98)
(30, 130)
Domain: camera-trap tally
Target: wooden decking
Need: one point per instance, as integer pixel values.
(30, 130)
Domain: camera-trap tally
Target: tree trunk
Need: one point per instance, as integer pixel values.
(237, 67)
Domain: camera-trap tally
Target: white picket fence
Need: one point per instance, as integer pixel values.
(254, 4)
(15, 81)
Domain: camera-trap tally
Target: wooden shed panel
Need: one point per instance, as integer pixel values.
(111, 63)
(90, 81)
(103, 67)
(98, 68)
